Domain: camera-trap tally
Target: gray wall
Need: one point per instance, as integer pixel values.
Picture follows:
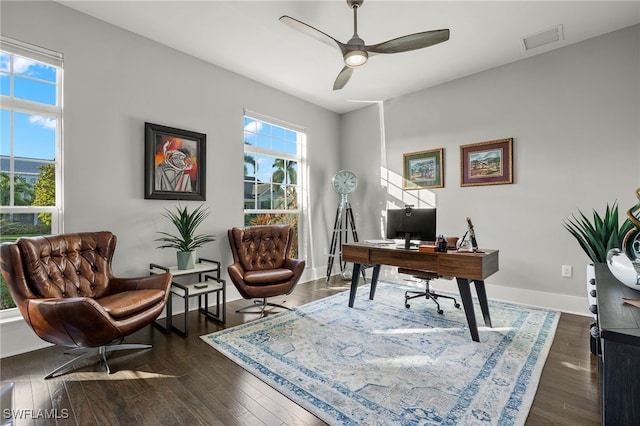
(114, 81)
(574, 114)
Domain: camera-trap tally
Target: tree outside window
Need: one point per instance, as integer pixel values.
(271, 167)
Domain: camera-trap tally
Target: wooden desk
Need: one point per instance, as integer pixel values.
(466, 267)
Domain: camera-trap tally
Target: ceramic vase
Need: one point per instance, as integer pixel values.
(186, 259)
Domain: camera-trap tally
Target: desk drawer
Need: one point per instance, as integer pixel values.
(405, 258)
(468, 265)
(355, 254)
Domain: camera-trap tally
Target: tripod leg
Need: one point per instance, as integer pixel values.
(332, 251)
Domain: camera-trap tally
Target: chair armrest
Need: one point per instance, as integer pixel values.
(156, 281)
(72, 321)
(236, 271)
(296, 265)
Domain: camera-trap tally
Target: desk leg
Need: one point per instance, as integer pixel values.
(484, 304)
(374, 281)
(464, 286)
(354, 283)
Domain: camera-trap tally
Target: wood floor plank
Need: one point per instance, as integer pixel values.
(183, 381)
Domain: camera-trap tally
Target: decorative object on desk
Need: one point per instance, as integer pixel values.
(626, 271)
(186, 242)
(370, 364)
(487, 163)
(452, 243)
(174, 163)
(598, 237)
(624, 263)
(631, 240)
(423, 169)
(471, 244)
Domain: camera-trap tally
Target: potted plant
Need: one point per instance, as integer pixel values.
(186, 241)
(598, 237)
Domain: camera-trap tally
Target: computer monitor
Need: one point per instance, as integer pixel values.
(411, 224)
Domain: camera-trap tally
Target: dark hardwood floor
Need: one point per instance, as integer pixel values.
(183, 381)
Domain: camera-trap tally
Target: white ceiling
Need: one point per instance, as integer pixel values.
(246, 37)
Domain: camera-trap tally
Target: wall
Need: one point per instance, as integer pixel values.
(574, 114)
(114, 81)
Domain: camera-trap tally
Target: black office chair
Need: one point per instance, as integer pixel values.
(426, 277)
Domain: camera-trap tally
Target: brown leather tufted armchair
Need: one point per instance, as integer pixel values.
(262, 267)
(65, 290)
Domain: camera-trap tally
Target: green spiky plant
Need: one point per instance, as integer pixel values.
(598, 237)
(186, 224)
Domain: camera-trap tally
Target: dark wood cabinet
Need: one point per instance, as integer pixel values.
(619, 361)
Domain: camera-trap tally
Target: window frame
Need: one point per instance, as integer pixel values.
(17, 105)
(298, 158)
(301, 177)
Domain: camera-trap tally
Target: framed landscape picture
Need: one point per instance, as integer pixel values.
(174, 163)
(423, 169)
(487, 163)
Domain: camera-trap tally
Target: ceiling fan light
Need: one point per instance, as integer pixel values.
(356, 58)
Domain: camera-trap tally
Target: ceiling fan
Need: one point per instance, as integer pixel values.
(356, 53)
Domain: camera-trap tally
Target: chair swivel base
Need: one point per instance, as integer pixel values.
(100, 351)
(408, 295)
(262, 304)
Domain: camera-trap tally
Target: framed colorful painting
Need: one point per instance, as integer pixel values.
(423, 169)
(487, 163)
(174, 163)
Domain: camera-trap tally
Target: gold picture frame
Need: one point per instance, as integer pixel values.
(423, 169)
(487, 163)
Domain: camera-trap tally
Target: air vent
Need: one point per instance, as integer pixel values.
(551, 35)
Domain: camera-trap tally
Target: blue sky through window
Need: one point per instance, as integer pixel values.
(34, 135)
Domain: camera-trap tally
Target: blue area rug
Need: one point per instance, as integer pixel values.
(382, 364)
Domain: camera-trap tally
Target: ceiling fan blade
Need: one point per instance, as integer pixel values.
(343, 78)
(410, 42)
(311, 31)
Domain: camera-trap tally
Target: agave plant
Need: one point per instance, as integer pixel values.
(186, 224)
(598, 237)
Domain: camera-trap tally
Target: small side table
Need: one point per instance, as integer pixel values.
(209, 281)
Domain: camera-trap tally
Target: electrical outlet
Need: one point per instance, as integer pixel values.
(567, 271)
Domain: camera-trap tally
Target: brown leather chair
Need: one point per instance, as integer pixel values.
(65, 290)
(262, 267)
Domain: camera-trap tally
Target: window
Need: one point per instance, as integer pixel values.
(272, 164)
(30, 143)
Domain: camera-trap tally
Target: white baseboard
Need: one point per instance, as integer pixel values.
(18, 338)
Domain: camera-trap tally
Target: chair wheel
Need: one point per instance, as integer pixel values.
(440, 311)
(406, 305)
(457, 305)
